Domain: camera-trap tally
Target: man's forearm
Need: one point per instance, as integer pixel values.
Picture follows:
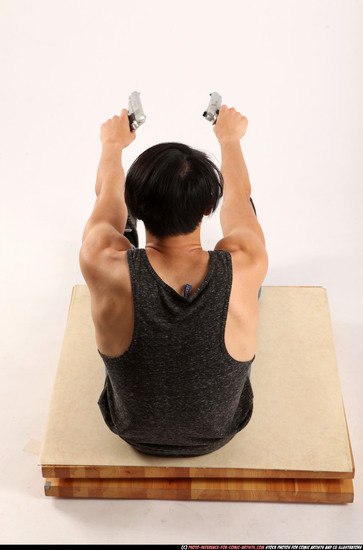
(236, 211)
(110, 172)
(234, 170)
(110, 207)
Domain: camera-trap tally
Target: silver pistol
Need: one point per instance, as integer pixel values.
(136, 112)
(212, 111)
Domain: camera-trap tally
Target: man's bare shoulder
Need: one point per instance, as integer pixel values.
(245, 252)
(109, 283)
(104, 270)
(249, 264)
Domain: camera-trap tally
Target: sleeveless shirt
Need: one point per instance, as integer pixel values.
(176, 391)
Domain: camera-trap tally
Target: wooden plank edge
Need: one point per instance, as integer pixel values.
(253, 490)
(350, 444)
(116, 472)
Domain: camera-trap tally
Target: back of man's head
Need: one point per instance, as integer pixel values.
(170, 187)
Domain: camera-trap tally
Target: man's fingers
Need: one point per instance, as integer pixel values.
(124, 113)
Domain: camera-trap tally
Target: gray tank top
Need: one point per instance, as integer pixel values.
(176, 391)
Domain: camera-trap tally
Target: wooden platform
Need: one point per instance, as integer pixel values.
(263, 490)
(295, 449)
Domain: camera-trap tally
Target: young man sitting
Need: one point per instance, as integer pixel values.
(175, 325)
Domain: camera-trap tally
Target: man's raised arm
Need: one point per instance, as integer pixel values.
(107, 222)
(104, 230)
(241, 229)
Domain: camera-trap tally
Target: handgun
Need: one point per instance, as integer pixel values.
(136, 112)
(212, 111)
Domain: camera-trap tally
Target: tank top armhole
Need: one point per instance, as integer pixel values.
(227, 296)
(131, 260)
(228, 290)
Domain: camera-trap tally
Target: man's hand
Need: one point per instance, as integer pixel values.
(117, 130)
(231, 126)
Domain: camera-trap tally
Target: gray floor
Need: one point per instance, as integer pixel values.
(294, 69)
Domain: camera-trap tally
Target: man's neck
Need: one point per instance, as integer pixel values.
(175, 246)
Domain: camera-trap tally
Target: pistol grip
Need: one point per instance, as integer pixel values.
(131, 120)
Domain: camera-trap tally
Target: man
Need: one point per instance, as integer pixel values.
(175, 325)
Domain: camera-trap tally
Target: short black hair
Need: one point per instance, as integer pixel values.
(170, 187)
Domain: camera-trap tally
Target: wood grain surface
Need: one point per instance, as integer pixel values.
(258, 490)
(127, 472)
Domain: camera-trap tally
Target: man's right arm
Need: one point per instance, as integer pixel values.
(241, 229)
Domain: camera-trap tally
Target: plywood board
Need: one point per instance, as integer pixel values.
(298, 424)
(262, 490)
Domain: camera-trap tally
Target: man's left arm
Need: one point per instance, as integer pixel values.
(105, 228)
